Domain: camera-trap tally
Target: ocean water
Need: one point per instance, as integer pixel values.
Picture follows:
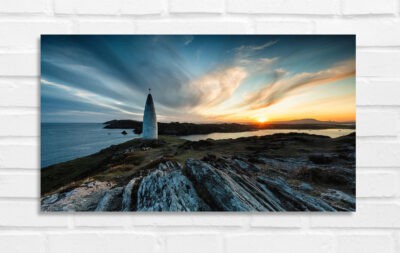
(62, 142)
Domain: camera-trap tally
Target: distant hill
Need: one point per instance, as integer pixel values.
(310, 121)
(178, 128)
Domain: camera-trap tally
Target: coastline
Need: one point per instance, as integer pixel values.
(323, 163)
(178, 128)
(82, 139)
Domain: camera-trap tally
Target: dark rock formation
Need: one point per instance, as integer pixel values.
(85, 197)
(129, 196)
(111, 200)
(230, 191)
(167, 189)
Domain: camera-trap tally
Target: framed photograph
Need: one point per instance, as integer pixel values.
(189, 123)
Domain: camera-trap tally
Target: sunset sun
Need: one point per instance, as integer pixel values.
(262, 119)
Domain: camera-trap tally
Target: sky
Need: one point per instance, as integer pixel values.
(198, 78)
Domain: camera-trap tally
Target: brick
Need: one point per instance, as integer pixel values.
(378, 63)
(102, 220)
(355, 7)
(26, 34)
(377, 184)
(318, 7)
(200, 6)
(21, 243)
(367, 215)
(221, 220)
(19, 93)
(101, 242)
(193, 243)
(22, 6)
(16, 125)
(166, 219)
(378, 92)
(19, 156)
(106, 27)
(351, 243)
(110, 7)
(142, 7)
(370, 32)
(26, 214)
(283, 27)
(19, 64)
(190, 27)
(279, 242)
(10, 185)
(377, 123)
(378, 154)
(176, 219)
(293, 220)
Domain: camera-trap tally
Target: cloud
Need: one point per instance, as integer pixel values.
(216, 87)
(89, 97)
(281, 87)
(188, 40)
(190, 77)
(248, 56)
(102, 68)
(249, 49)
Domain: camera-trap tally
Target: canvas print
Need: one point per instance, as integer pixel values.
(188, 123)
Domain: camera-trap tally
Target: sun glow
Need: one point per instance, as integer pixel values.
(262, 119)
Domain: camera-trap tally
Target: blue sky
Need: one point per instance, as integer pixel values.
(199, 78)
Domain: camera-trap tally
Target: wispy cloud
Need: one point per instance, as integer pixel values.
(281, 88)
(248, 56)
(188, 40)
(246, 50)
(90, 97)
(216, 87)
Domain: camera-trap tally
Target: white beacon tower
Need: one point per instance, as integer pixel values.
(150, 128)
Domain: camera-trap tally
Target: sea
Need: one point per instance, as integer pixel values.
(61, 142)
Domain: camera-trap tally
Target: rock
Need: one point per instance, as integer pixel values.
(336, 195)
(127, 194)
(246, 166)
(50, 199)
(329, 176)
(294, 200)
(321, 158)
(83, 198)
(167, 189)
(305, 187)
(111, 201)
(228, 190)
(124, 132)
(286, 164)
(224, 193)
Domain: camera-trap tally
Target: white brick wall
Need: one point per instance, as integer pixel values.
(375, 227)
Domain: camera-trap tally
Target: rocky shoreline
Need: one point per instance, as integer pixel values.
(281, 172)
(178, 128)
